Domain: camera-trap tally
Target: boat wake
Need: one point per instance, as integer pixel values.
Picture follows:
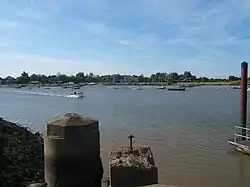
(41, 94)
(76, 95)
(47, 94)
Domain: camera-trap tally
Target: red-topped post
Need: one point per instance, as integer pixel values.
(244, 67)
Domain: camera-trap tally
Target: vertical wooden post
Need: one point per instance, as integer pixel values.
(244, 67)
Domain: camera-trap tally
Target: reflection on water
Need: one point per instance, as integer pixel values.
(187, 131)
(242, 169)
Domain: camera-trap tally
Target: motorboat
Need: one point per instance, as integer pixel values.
(236, 87)
(248, 89)
(76, 87)
(76, 95)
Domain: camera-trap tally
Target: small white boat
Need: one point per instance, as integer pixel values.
(76, 95)
(248, 89)
(136, 88)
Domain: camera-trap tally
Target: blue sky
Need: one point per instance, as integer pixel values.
(206, 37)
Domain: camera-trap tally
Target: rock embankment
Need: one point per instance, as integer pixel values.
(21, 155)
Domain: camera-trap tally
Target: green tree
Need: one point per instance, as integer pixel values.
(80, 77)
(23, 79)
(62, 78)
(72, 79)
(43, 79)
(233, 78)
(141, 78)
(9, 80)
(52, 79)
(34, 77)
(187, 74)
(173, 77)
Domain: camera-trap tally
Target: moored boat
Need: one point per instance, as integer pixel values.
(236, 87)
(76, 87)
(161, 88)
(177, 89)
(18, 87)
(136, 88)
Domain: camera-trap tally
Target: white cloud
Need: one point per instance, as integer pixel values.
(9, 24)
(31, 14)
(47, 65)
(124, 42)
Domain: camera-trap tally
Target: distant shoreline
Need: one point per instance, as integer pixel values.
(180, 84)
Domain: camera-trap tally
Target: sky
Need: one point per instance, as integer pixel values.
(207, 37)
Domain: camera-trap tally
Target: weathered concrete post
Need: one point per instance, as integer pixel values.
(132, 168)
(244, 67)
(72, 152)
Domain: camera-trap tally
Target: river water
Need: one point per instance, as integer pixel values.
(187, 131)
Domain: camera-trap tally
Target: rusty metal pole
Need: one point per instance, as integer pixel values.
(131, 142)
(244, 67)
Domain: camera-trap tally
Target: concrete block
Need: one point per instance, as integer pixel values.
(131, 169)
(72, 152)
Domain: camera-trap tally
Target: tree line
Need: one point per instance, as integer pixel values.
(81, 77)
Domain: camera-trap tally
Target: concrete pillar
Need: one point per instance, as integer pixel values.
(72, 152)
(132, 168)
